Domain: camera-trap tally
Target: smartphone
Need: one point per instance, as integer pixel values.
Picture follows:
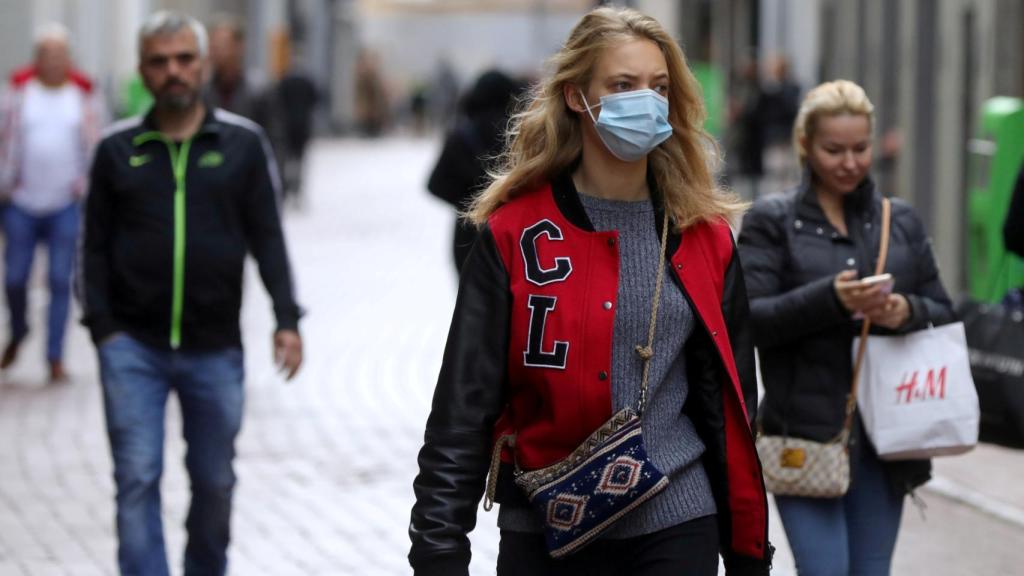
(884, 280)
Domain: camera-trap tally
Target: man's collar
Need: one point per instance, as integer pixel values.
(209, 124)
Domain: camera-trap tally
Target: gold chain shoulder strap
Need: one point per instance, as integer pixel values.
(647, 352)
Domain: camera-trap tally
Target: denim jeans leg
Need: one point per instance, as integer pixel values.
(62, 238)
(210, 389)
(873, 513)
(135, 388)
(816, 530)
(22, 233)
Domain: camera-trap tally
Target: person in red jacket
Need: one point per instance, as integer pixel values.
(554, 299)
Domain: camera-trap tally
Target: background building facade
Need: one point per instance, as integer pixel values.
(927, 64)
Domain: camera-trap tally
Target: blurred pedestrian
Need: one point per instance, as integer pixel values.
(1013, 238)
(886, 168)
(295, 99)
(232, 87)
(607, 172)
(746, 129)
(372, 107)
(176, 200)
(51, 119)
(780, 100)
(470, 148)
(444, 93)
(803, 254)
(1013, 227)
(418, 100)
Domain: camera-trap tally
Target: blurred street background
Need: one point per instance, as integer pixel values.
(326, 462)
(931, 68)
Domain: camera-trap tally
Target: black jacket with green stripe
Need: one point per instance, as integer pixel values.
(167, 229)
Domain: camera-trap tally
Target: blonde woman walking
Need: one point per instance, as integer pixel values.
(603, 222)
(804, 253)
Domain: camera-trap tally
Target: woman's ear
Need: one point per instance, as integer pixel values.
(571, 94)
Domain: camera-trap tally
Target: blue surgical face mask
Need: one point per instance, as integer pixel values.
(631, 124)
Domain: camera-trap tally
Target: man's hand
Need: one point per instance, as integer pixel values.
(288, 352)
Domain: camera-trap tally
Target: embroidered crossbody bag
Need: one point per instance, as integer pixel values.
(604, 478)
(800, 467)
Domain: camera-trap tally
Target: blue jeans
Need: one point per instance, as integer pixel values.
(850, 536)
(59, 230)
(137, 380)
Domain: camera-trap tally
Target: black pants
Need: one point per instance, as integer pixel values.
(689, 549)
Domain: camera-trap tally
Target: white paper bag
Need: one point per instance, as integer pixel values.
(916, 396)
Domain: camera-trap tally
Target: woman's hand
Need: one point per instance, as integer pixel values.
(855, 296)
(893, 314)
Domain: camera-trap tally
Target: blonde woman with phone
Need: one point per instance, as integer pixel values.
(807, 255)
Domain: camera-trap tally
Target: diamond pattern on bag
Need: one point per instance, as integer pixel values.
(582, 495)
(620, 475)
(565, 511)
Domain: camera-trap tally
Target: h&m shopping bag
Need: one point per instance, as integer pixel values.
(917, 398)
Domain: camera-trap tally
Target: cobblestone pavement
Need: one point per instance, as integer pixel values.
(325, 463)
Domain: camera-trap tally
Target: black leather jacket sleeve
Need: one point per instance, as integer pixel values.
(706, 376)
(780, 316)
(929, 304)
(468, 399)
(736, 311)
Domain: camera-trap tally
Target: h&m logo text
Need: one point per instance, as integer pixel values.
(914, 389)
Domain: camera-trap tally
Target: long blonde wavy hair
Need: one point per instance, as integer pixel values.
(545, 138)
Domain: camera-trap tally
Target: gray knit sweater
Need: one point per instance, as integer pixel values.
(669, 436)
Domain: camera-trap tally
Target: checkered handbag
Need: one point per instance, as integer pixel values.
(799, 467)
(605, 477)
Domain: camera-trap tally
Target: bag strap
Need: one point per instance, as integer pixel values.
(883, 253)
(647, 352)
(492, 473)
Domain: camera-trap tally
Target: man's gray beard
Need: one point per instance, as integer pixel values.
(178, 103)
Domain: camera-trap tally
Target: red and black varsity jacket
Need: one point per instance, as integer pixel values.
(529, 353)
